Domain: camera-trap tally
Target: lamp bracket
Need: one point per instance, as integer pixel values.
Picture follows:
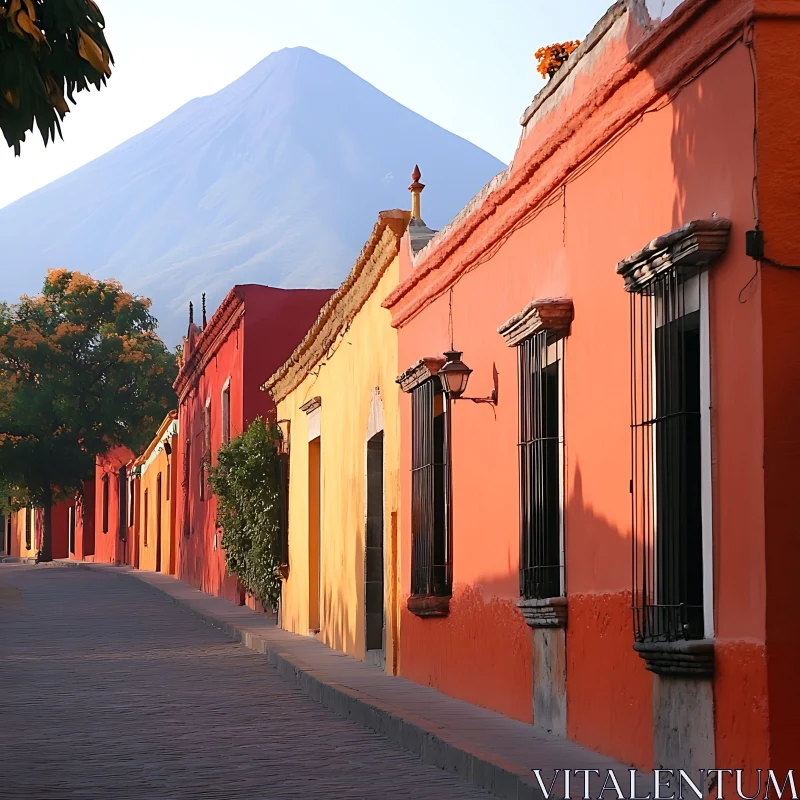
(492, 398)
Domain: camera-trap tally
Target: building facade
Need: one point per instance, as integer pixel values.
(23, 531)
(338, 409)
(224, 363)
(158, 482)
(115, 508)
(595, 536)
(81, 524)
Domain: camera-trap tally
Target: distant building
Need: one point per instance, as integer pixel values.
(250, 335)
(81, 530)
(24, 529)
(155, 528)
(115, 508)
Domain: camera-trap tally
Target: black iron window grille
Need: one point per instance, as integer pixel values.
(431, 546)
(122, 494)
(145, 515)
(185, 484)
(667, 459)
(541, 446)
(105, 503)
(28, 526)
(282, 466)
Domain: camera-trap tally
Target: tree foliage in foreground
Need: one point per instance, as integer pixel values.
(49, 50)
(81, 370)
(246, 481)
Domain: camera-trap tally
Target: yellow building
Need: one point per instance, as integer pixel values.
(338, 408)
(23, 533)
(155, 526)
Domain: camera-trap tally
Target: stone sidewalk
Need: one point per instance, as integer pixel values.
(485, 748)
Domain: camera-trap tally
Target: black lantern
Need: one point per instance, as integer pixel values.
(454, 375)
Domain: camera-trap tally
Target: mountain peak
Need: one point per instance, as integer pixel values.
(276, 179)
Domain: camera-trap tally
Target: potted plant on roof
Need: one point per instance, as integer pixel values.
(553, 57)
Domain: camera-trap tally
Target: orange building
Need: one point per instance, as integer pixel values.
(115, 512)
(81, 524)
(602, 541)
(157, 482)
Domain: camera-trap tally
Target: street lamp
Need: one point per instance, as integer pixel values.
(454, 375)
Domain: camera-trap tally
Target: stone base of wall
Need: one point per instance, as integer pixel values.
(550, 680)
(683, 723)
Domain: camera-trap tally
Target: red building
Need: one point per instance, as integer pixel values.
(251, 334)
(80, 531)
(114, 508)
(604, 542)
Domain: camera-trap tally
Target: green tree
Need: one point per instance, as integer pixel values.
(81, 370)
(49, 50)
(248, 485)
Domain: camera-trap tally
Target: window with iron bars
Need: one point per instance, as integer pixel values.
(431, 545)
(667, 451)
(282, 467)
(105, 503)
(122, 488)
(28, 526)
(185, 483)
(205, 458)
(540, 447)
(145, 515)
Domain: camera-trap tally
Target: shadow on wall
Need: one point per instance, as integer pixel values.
(607, 683)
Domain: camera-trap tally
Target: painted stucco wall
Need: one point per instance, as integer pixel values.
(269, 325)
(201, 561)
(574, 205)
(363, 359)
(776, 51)
(158, 464)
(109, 547)
(19, 548)
(84, 522)
(60, 531)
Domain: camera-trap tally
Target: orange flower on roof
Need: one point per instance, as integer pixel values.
(552, 57)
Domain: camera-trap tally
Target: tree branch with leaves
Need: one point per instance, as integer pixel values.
(81, 371)
(49, 51)
(249, 483)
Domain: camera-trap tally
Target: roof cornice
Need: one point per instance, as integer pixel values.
(210, 339)
(532, 179)
(377, 254)
(162, 430)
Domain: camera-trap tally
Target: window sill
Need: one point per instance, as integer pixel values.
(429, 605)
(691, 658)
(548, 613)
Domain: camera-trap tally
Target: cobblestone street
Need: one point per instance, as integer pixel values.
(109, 691)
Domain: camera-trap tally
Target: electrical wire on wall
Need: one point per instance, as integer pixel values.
(749, 42)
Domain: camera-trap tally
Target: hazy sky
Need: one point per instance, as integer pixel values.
(467, 65)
